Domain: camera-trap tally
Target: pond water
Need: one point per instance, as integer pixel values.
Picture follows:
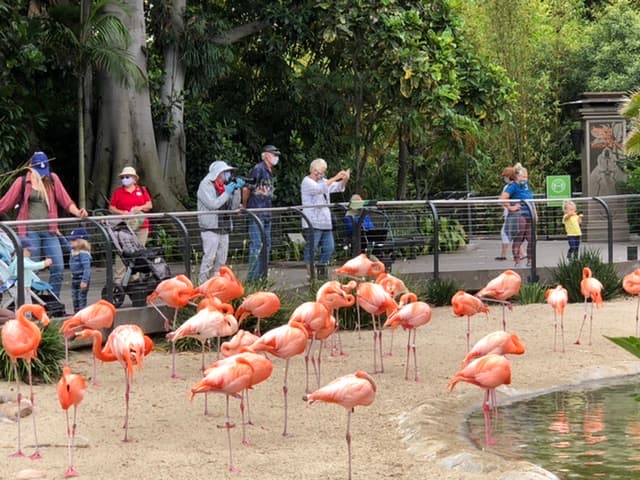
(576, 434)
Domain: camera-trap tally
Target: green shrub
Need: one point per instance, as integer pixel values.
(439, 292)
(569, 275)
(531, 293)
(47, 367)
(451, 234)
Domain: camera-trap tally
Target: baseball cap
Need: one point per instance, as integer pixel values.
(271, 149)
(40, 163)
(26, 244)
(78, 233)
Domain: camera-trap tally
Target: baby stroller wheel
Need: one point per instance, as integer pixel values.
(117, 293)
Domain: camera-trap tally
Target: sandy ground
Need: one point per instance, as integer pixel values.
(412, 430)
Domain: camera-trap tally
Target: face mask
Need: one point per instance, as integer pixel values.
(506, 179)
(274, 160)
(226, 176)
(127, 181)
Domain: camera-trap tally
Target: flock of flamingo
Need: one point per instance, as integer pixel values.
(246, 356)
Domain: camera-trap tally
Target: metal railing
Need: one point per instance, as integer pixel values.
(424, 229)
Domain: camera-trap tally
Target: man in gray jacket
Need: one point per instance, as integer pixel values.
(216, 193)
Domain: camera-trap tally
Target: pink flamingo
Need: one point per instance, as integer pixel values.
(334, 295)
(260, 305)
(71, 390)
(395, 287)
(467, 305)
(374, 299)
(498, 343)
(225, 286)
(631, 285)
(558, 298)
(591, 288)
(501, 289)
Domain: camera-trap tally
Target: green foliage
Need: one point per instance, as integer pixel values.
(569, 275)
(47, 367)
(630, 344)
(451, 234)
(531, 293)
(439, 292)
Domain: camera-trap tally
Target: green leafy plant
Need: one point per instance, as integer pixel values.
(569, 275)
(439, 292)
(451, 234)
(47, 367)
(531, 293)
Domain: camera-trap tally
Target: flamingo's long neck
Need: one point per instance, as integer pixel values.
(98, 352)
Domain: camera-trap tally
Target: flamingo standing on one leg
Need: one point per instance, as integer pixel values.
(467, 305)
(260, 305)
(334, 295)
(395, 287)
(410, 314)
(591, 288)
(96, 316)
(20, 339)
(631, 285)
(176, 292)
(498, 343)
(231, 376)
(558, 299)
(71, 390)
(374, 299)
(284, 342)
(126, 344)
(350, 391)
(488, 372)
(500, 289)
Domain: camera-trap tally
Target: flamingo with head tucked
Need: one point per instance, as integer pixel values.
(71, 390)
(224, 285)
(335, 295)
(374, 299)
(498, 343)
(558, 299)
(631, 285)
(467, 305)
(360, 266)
(20, 339)
(395, 287)
(260, 305)
(501, 289)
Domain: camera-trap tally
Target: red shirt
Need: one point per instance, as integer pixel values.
(123, 200)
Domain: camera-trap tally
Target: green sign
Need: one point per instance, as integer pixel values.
(558, 188)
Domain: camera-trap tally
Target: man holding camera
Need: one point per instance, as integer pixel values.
(260, 195)
(217, 191)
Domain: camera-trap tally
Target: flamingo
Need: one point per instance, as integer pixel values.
(410, 314)
(225, 286)
(591, 288)
(374, 299)
(360, 266)
(500, 289)
(317, 320)
(284, 342)
(71, 390)
(231, 376)
(126, 344)
(395, 287)
(499, 343)
(488, 372)
(20, 339)
(175, 292)
(467, 305)
(97, 315)
(350, 391)
(334, 295)
(558, 299)
(631, 285)
(260, 305)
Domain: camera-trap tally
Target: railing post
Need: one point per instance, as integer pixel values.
(533, 274)
(609, 228)
(436, 240)
(312, 264)
(109, 259)
(186, 245)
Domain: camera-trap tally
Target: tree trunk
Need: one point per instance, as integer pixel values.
(403, 162)
(171, 141)
(125, 133)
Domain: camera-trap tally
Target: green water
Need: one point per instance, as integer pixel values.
(581, 434)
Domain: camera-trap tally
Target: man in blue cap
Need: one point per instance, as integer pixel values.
(259, 194)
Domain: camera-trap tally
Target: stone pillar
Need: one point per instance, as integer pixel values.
(603, 162)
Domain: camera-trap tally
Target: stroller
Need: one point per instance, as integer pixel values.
(41, 292)
(145, 267)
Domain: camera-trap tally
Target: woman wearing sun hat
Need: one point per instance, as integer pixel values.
(131, 198)
(38, 194)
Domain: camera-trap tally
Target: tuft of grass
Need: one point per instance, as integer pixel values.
(531, 293)
(569, 275)
(47, 367)
(439, 292)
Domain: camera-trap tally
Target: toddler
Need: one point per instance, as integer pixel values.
(572, 223)
(30, 267)
(80, 266)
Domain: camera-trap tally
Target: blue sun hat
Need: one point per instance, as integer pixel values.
(40, 163)
(26, 244)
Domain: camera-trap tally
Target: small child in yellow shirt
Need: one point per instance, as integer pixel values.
(572, 221)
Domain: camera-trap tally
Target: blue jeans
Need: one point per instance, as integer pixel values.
(322, 241)
(79, 295)
(256, 271)
(47, 245)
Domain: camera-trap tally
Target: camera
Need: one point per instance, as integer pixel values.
(247, 180)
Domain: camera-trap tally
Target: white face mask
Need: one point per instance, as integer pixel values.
(274, 160)
(127, 181)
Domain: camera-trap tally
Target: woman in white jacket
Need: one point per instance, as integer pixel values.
(315, 191)
(216, 192)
